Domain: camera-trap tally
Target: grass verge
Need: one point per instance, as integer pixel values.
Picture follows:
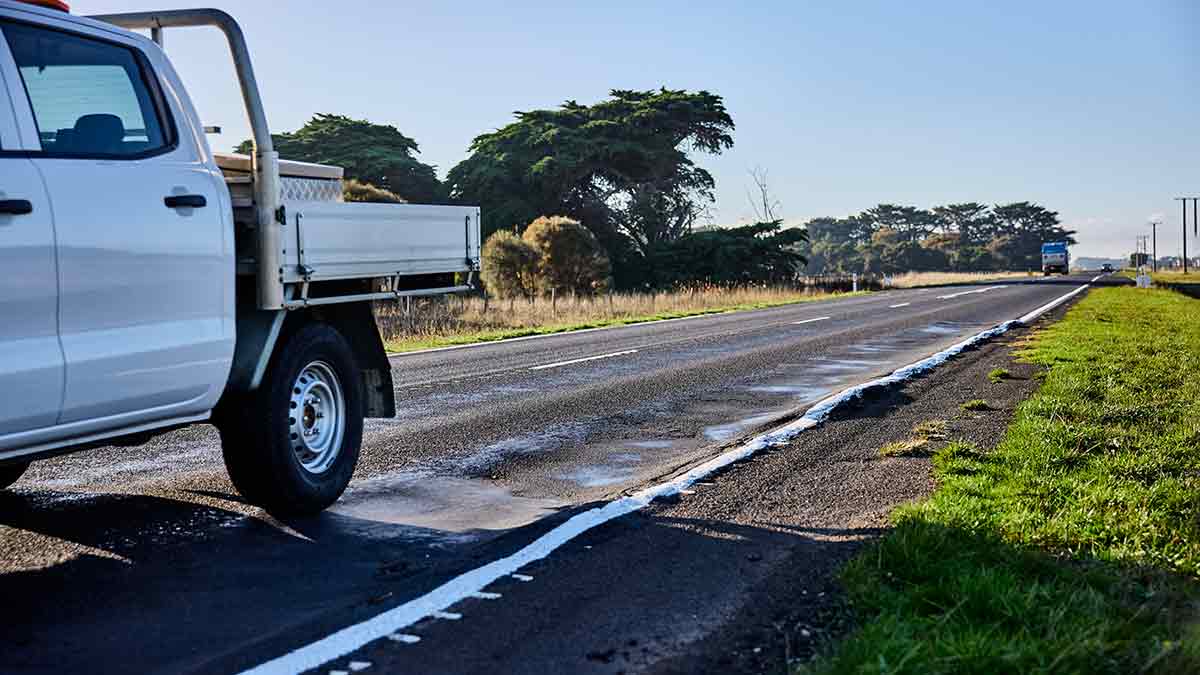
(1074, 546)
(538, 319)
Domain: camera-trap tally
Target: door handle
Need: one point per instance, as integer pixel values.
(15, 207)
(185, 202)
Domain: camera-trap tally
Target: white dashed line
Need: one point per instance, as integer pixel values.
(801, 323)
(405, 638)
(484, 595)
(903, 304)
(978, 290)
(356, 666)
(522, 577)
(447, 616)
(572, 362)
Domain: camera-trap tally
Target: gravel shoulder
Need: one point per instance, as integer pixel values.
(741, 574)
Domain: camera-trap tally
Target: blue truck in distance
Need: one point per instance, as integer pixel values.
(1055, 258)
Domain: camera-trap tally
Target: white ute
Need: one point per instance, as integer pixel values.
(147, 283)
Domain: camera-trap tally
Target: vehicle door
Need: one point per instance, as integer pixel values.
(31, 361)
(144, 268)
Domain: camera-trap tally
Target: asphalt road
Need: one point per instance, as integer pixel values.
(144, 559)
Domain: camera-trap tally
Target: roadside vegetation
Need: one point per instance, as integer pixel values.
(999, 375)
(923, 434)
(649, 206)
(976, 405)
(472, 319)
(1074, 546)
(915, 279)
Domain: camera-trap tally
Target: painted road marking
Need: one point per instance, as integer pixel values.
(903, 304)
(484, 595)
(471, 584)
(447, 616)
(572, 362)
(522, 577)
(356, 666)
(978, 290)
(801, 323)
(405, 638)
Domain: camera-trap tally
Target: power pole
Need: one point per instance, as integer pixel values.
(1154, 228)
(1184, 201)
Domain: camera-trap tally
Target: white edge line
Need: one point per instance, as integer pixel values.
(801, 323)
(585, 359)
(472, 583)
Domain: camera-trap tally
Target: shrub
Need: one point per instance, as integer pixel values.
(570, 259)
(357, 191)
(509, 266)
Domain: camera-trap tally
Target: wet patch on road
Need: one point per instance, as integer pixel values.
(429, 507)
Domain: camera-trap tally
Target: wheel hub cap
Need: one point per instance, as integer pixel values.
(317, 417)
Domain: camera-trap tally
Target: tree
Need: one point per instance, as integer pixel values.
(1025, 227)
(973, 222)
(758, 253)
(909, 224)
(372, 153)
(509, 266)
(762, 200)
(623, 166)
(570, 259)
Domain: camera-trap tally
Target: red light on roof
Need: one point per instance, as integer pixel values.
(52, 4)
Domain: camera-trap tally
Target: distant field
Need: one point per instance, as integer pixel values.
(456, 321)
(1074, 546)
(912, 279)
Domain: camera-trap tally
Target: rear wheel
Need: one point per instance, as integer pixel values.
(292, 446)
(10, 473)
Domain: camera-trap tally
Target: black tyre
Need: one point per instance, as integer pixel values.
(11, 473)
(292, 446)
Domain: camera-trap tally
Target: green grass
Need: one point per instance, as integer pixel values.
(473, 337)
(1074, 547)
(976, 405)
(999, 375)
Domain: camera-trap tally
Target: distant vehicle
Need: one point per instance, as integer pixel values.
(148, 283)
(1055, 258)
(1107, 268)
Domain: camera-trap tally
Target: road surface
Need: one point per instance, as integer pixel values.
(145, 560)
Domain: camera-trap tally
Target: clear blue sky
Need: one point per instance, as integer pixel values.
(1089, 108)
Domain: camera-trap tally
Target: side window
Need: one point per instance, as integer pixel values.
(90, 98)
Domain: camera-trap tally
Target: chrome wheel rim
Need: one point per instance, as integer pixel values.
(317, 417)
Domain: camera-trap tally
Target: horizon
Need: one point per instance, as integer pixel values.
(1083, 113)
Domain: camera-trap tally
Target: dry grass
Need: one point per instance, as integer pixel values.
(449, 321)
(923, 434)
(911, 279)
(903, 448)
